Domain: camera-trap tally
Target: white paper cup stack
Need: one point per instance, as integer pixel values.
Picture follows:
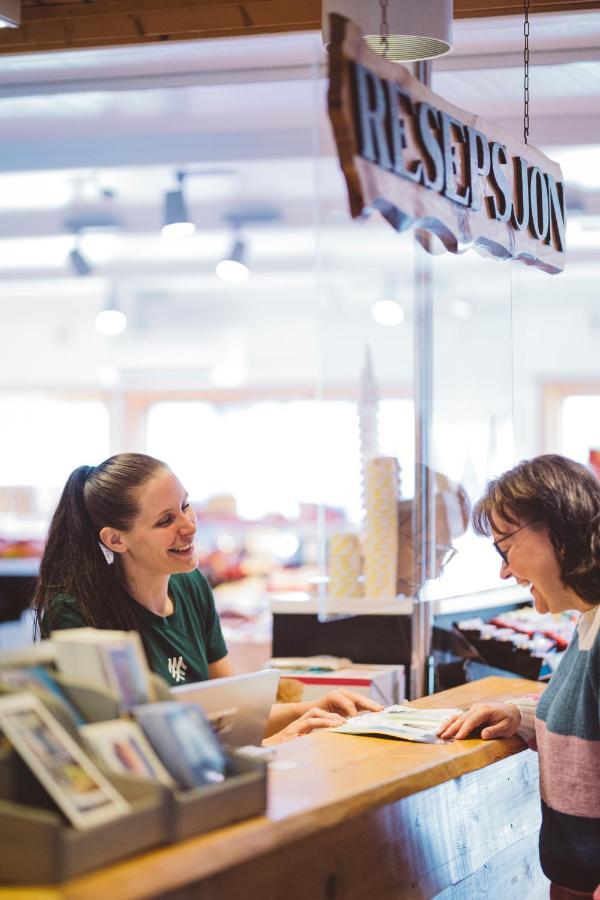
(381, 527)
(344, 566)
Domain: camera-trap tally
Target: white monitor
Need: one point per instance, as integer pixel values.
(237, 706)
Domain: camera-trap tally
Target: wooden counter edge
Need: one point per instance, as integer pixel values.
(178, 864)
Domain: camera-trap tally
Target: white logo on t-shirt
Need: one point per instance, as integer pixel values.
(177, 668)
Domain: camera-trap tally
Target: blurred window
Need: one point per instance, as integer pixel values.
(45, 438)
(580, 425)
(274, 455)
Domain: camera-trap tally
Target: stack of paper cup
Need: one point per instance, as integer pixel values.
(381, 527)
(344, 566)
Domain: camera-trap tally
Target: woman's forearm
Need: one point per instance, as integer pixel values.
(282, 714)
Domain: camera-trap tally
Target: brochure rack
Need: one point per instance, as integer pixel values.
(39, 846)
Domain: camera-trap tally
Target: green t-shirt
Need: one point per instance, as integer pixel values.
(180, 646)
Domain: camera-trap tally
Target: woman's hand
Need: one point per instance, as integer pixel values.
(501, 720)
(311, 719)
(341, 702)
(347, 703)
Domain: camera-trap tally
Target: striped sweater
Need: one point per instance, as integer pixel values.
(565, 722)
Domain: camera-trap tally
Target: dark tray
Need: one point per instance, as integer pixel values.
(242, 795)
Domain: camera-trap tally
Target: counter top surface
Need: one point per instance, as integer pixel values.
(316, 782)
(331, 775)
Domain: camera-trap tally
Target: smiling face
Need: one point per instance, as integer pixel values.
(532, 561)
(161, 539)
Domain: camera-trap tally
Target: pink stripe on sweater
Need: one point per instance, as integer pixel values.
(569, 772)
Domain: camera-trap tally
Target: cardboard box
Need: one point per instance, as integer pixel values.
(385, 684)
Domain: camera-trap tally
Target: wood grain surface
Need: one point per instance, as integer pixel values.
(62, 24)
(355, 817)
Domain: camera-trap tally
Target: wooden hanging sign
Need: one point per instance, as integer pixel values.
(423, 162)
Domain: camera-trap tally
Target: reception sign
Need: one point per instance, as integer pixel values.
(423, 162)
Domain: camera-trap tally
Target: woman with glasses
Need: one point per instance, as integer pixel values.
(544, 516)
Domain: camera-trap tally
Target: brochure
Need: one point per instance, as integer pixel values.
(112, 660)
(406, 722)
(322, 663)
(121, 746)
(69, 776)
(36, 678)
(184, 741)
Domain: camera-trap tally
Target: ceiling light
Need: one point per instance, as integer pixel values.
(10, 13)
(232, 268)
(418, 29)
(111, 319)
(178, 223)
(387, 312)
(80, 264)
(111, 322)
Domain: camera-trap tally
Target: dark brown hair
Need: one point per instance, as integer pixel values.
(73, 564)
(564, 497)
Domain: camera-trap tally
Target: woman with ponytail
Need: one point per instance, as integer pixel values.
(544, 516)
(120, 554)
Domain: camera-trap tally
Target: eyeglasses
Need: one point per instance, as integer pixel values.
(504, 553)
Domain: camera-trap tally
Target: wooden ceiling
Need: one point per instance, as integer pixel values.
(65, 24)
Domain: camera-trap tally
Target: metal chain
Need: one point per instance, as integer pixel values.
(526, 72)
(384, 28)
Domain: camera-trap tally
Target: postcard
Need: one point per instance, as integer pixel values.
(36, 678)
(122, 747)
(126, 672)
(70, 777)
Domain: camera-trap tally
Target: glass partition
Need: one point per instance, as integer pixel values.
(472, 422)
(292, 400)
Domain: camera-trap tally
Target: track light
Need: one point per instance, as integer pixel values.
(10, 13)
(80, 264)
(111, 320)
(417, 29)
(178, 223)
(232, 268)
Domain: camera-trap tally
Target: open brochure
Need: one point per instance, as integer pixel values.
(406, 722)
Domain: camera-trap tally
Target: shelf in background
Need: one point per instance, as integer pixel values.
(301, 603)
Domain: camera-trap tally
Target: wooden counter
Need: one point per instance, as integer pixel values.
(359, 818)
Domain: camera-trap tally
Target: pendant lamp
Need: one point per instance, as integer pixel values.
(402, 30)
(177, 223)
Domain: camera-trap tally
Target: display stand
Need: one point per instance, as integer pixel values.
(40, 846)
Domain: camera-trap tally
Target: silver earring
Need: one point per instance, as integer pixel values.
(109, 556)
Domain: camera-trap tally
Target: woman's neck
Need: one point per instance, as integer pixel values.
(151, 592)
(574, 601)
